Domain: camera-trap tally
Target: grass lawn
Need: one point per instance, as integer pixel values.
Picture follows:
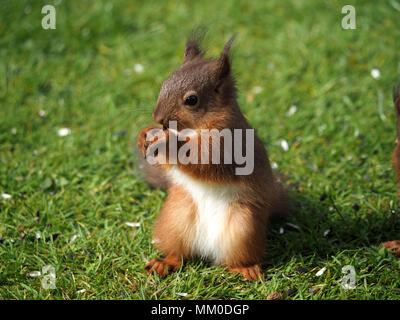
(99, 75)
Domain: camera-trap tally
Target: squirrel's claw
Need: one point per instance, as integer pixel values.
(249, 273)
(143, 140)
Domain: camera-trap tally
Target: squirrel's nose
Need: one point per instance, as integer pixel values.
(157, 117)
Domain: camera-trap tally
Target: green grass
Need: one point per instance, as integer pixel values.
(82, 75)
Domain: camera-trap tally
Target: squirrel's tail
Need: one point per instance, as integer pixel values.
(154, 176)
(282, 205)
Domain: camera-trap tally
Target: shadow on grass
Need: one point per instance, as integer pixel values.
(319, 228)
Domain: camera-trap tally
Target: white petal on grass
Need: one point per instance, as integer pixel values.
(132, 224)
(293, 226)
(375, 73)
(14, 131)
(284, 145)
(42, 113)
(322, 128)
(292, 110)
(326, 232)
(321, 272)
(182, 294)
(73, 238)
(274, 165)
(138, 68)
(37, 235)
(34, 274)
(62, 132)
(6, 196)
(285, 276)
(257, 90)
(81, 291)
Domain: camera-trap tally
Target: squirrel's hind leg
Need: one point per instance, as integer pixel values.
(247, 226)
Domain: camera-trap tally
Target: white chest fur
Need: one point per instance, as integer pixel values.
(212, 203)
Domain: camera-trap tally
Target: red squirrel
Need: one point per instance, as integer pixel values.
(396, 152)
(210, 212)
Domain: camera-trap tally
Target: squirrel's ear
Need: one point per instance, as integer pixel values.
(192, 49)
(224, 61)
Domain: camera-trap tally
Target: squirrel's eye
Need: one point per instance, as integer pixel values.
(191, 100)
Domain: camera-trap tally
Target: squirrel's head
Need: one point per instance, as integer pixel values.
(200, 93)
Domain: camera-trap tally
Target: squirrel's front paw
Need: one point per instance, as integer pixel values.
(148, 136)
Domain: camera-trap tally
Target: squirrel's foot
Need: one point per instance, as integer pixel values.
(170, 263)
(249, 273)
(147, 137)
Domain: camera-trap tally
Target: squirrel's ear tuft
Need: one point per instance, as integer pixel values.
(224, 61)
(193, 43)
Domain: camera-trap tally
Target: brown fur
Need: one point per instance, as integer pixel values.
(260, 193)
